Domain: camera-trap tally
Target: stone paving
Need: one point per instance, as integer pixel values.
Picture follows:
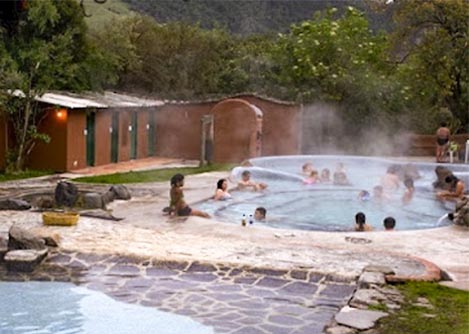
(230, 299)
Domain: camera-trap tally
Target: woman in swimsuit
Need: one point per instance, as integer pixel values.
(222, 193)
(442, 140)
(177, 203)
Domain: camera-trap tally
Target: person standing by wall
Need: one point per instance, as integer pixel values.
(442, 142)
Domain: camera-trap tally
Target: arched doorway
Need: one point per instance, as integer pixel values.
(237, 131)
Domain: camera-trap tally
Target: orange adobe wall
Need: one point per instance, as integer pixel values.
(52, 155)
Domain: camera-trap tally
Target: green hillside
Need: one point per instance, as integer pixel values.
(248, 16)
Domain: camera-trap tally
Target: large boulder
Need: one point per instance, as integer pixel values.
(21, 238)
(66, 194)
(92, 201)
(108, 197)
(121, 192)
(14, 204)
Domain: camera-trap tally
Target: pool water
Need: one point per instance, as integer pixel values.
(63, 308)
(294, 205)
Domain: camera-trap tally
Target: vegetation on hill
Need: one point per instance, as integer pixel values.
(249, 17)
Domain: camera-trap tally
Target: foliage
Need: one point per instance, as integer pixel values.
(48, 50)
(157, 175)
(449, 314)
(176, 60)
(431, 40)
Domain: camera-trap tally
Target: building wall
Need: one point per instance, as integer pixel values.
(178, 129)
(103, 137)
(142, 137)
(52, 155)
(124, 135)
(76, 140)
(280, 126)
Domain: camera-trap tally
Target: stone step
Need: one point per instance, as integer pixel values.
(24, 260)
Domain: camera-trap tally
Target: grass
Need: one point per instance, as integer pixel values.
(157, 175)
(450, 314)
(23, 175)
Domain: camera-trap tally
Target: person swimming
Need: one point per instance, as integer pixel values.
(409, 192)
(247, 183)
(364, 196)
(360, 223)
(260, 214)
(313, 178)
(325, 176)
(222, 193)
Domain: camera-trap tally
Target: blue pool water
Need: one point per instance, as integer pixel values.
(294, 205)
(63, 308)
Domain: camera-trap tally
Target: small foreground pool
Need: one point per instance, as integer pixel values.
(63, 308)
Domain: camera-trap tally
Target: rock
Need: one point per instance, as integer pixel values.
(365, 297)
(24, 260)
(461, 214)
(50, 237)
(369, 278)
(14, 204)
(21, 238)
(121, 192)
(45, 202)
(108, 197)
(340, 330)
(66, 194)
(92, 201)
(379, 269)
(359, 319)
(3, 248)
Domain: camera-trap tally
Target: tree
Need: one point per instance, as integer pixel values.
(48, 50)
(431, 44)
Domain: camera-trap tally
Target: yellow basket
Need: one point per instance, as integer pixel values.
(60, 218)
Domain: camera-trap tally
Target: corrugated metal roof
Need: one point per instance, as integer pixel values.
(96, 100)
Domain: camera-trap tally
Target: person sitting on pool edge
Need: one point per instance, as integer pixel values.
(260, 213)
(360, 223)
(247, 183)
(389, 223)
(222, 193)
(177, 204)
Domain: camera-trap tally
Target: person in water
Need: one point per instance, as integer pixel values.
(409, 191)
(247, 183)
(364, 196)
(222, 193)
(378, 194)
(307, 168)
(313, 178)
(360, 223)
(340, 175)
(325, 176)
(389, 223)
(177, 204)
(390, 181)
(456, 189)
(442, 142)
(260, 213)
